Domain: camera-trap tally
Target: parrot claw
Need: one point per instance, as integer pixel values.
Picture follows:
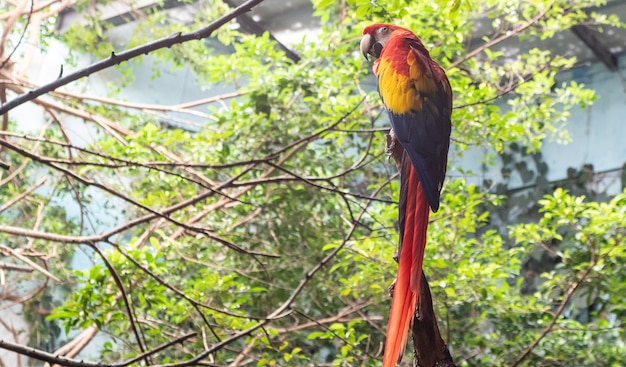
(391, 288)
(388, 147)
(394, 149)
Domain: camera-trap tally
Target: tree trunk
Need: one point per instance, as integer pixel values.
(428, 346)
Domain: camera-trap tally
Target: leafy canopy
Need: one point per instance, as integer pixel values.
(283, 195)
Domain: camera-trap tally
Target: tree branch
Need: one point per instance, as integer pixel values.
(69, 362)
(10, 251)
(566, 298)
(15, 267)
(22, 195)
(428, 346)
(116, 59)
(503, 37)
(282, 310)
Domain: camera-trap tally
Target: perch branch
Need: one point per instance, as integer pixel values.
(428, 346)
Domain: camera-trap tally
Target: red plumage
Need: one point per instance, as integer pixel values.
(418, 97)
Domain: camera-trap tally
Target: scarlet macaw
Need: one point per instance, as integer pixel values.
(417, 95)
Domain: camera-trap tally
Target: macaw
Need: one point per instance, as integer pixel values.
(416, 93)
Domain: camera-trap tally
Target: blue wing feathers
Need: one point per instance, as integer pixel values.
(426, 142)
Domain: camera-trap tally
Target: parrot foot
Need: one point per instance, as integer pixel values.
(391, 288)
(394, 149)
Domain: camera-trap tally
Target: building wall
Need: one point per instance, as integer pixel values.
(598, 140)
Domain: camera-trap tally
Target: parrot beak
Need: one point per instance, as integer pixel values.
(369, 46)
(366, 45)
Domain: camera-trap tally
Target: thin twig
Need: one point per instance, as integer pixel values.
(503, 37)
(566, 298)
(129, 309)
(28, 261)
(22, 195)
(14, 267)
(283, 309)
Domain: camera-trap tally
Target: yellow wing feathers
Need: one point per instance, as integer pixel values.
(402, 86)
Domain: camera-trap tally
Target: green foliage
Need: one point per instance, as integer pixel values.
(589, 239)
(277, 179)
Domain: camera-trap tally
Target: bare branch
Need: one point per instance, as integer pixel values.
(69, 362)
(114, 192)
(14, 267)
(71, 349)
(182, 108)
(117, 59)
(10, 251)
(182, 294)
(22, 195)
(429, 348)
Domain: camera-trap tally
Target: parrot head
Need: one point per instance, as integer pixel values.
(375, 37)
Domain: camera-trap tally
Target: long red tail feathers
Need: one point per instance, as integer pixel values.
(407, 285)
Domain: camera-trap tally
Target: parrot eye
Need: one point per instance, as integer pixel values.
(384, 29)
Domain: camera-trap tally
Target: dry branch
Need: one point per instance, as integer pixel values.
(428, 346)
(7, 250)
(69, 362)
